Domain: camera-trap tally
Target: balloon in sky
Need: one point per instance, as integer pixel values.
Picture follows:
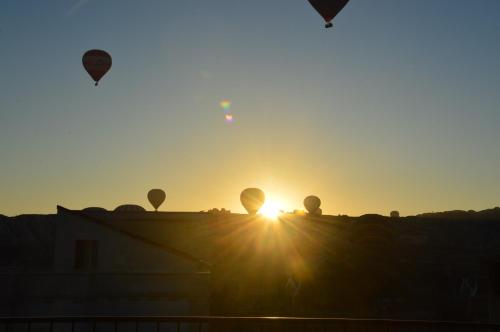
(312, 204)
(328, 9)
(156, 197)
(96, 63)
(252, 199)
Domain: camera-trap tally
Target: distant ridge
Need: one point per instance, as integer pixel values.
(460, 214)
(372, 217)
(492, 213)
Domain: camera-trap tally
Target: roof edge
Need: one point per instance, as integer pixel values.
(171, 250)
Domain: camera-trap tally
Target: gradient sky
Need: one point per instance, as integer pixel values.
(397, 107)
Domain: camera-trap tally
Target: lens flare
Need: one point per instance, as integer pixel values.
(229, 118)
(225, 104)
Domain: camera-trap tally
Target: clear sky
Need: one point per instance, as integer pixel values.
(396, 107)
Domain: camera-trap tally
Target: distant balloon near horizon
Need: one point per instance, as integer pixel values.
(156, 197)
(97, 63)
(312, 204)
(252, 199)
(328, 9)
(394, 214)
(129, 208)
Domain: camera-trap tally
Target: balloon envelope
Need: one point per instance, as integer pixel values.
(328, 8)
(252, 199)
(394, 214)
(96, 63)
(156, 197)
(312, 204)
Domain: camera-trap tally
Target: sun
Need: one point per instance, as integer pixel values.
(271, 209)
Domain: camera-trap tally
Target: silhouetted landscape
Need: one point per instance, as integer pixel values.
(432, 266)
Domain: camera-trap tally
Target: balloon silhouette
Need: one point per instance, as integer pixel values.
(96, 63)
(156, 197)
(252, 199)
(328, 9)
(312, 204)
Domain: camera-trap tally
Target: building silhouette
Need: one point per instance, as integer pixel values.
(441, 266)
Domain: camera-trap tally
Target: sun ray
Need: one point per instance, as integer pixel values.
(271, 209)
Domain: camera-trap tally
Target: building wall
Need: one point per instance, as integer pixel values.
(116, 252)
(104, 294)
(131, 278)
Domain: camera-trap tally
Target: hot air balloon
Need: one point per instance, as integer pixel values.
(328, 9)
(156, 197)
(394, 214)
(252, 199)
(96, 63)
(130, 208)
(312, 204)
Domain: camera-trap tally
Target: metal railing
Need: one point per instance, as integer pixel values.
(214, 323)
